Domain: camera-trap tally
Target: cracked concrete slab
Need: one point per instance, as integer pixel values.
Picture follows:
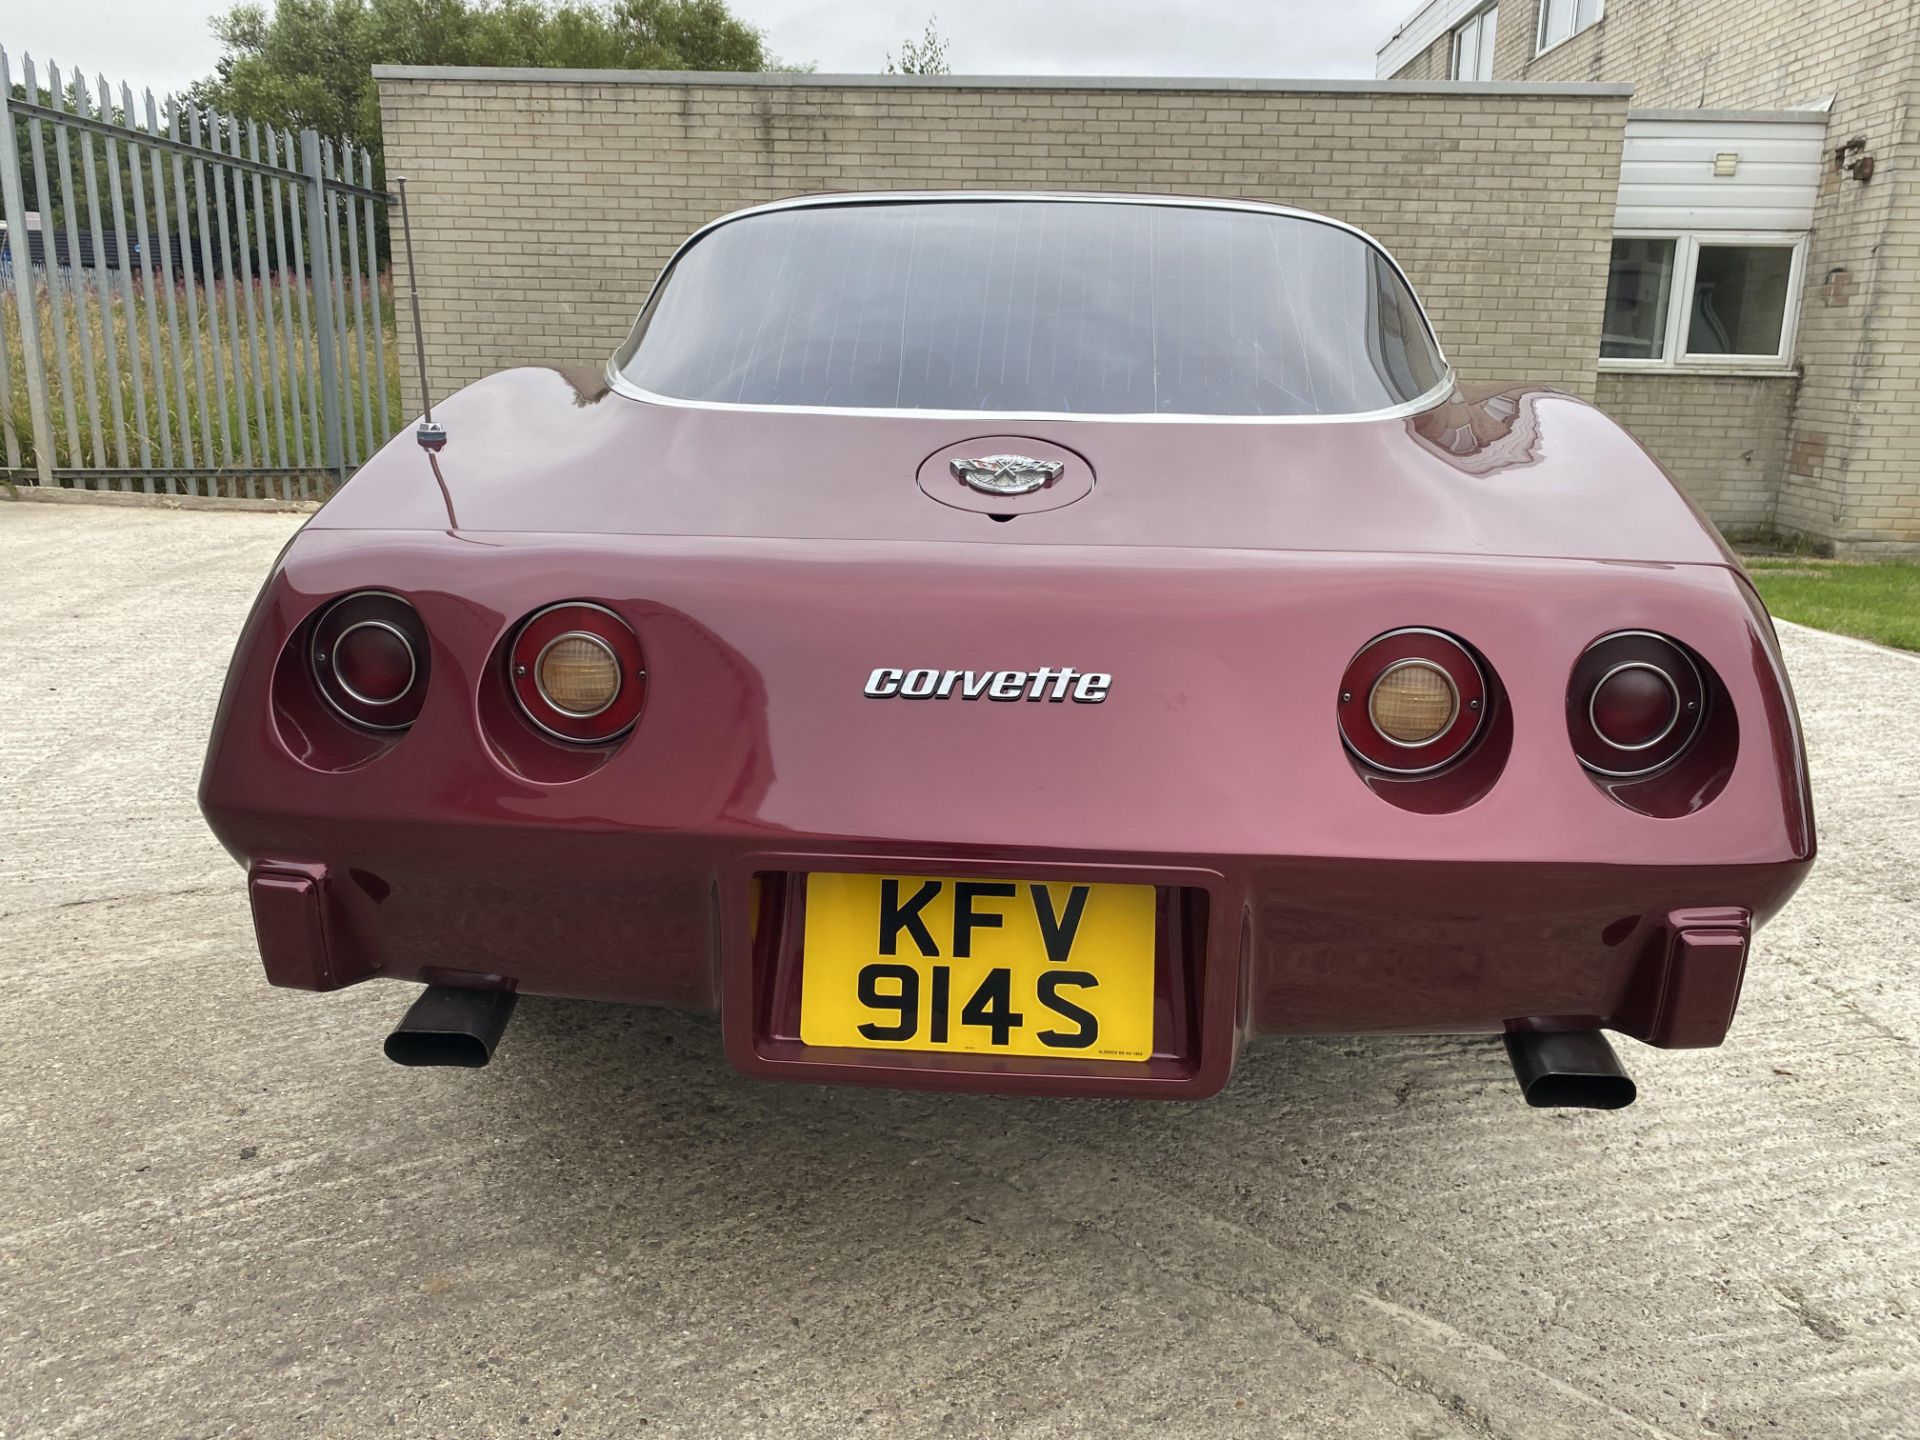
(222, 1213)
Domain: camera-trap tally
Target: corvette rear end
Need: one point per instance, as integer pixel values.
(956, 687)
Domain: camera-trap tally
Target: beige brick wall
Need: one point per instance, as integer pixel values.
(1852, 474)
(1436, 61)
(544, 205)
(1724, 54)
(1723, 437)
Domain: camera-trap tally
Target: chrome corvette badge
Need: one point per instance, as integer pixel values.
(1006, 474)
(1049, 682)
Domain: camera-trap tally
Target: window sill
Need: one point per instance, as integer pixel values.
(1749, 372)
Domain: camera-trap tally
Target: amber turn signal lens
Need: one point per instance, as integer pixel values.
(1413, 703)
(578, 674)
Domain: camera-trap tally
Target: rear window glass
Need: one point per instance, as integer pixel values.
(1026, 306)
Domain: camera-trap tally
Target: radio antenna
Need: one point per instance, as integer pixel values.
(431, 434)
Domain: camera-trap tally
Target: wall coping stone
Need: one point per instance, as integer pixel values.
(515, 75)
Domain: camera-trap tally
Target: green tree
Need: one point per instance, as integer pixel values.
(927, 56)
(309, 62)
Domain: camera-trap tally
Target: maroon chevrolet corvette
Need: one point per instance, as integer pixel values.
(1029, 643)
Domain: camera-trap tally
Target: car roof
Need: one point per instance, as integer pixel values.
(825, 198)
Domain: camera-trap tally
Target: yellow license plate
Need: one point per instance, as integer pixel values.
(985, 966)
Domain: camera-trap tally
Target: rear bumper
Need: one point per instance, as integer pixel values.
(1311, 904)
(1246, 947)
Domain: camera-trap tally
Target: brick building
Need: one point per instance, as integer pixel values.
(1762, 314)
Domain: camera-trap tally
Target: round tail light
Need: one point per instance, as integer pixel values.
(1411, 701)
(578, 672)
(1634, 704)
(370, 656)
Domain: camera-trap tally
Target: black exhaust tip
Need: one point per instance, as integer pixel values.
(446, 1026)
(1568, 1069)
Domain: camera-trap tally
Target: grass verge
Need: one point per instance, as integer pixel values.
(1875, 600)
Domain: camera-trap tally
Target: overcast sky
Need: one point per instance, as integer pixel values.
(165, 43)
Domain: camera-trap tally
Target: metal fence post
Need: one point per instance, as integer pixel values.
(243, 293)
(40, 417)
(318, 211)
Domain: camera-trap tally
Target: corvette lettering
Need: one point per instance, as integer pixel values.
(1046, 683)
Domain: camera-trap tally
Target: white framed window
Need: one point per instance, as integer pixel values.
(1473, 44)
(1564, 19)
(1714, 300)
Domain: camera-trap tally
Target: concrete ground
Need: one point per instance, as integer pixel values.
(222, 1213)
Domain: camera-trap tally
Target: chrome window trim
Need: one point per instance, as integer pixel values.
(1438, 392)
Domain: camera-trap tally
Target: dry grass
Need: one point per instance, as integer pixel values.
(242, 400)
